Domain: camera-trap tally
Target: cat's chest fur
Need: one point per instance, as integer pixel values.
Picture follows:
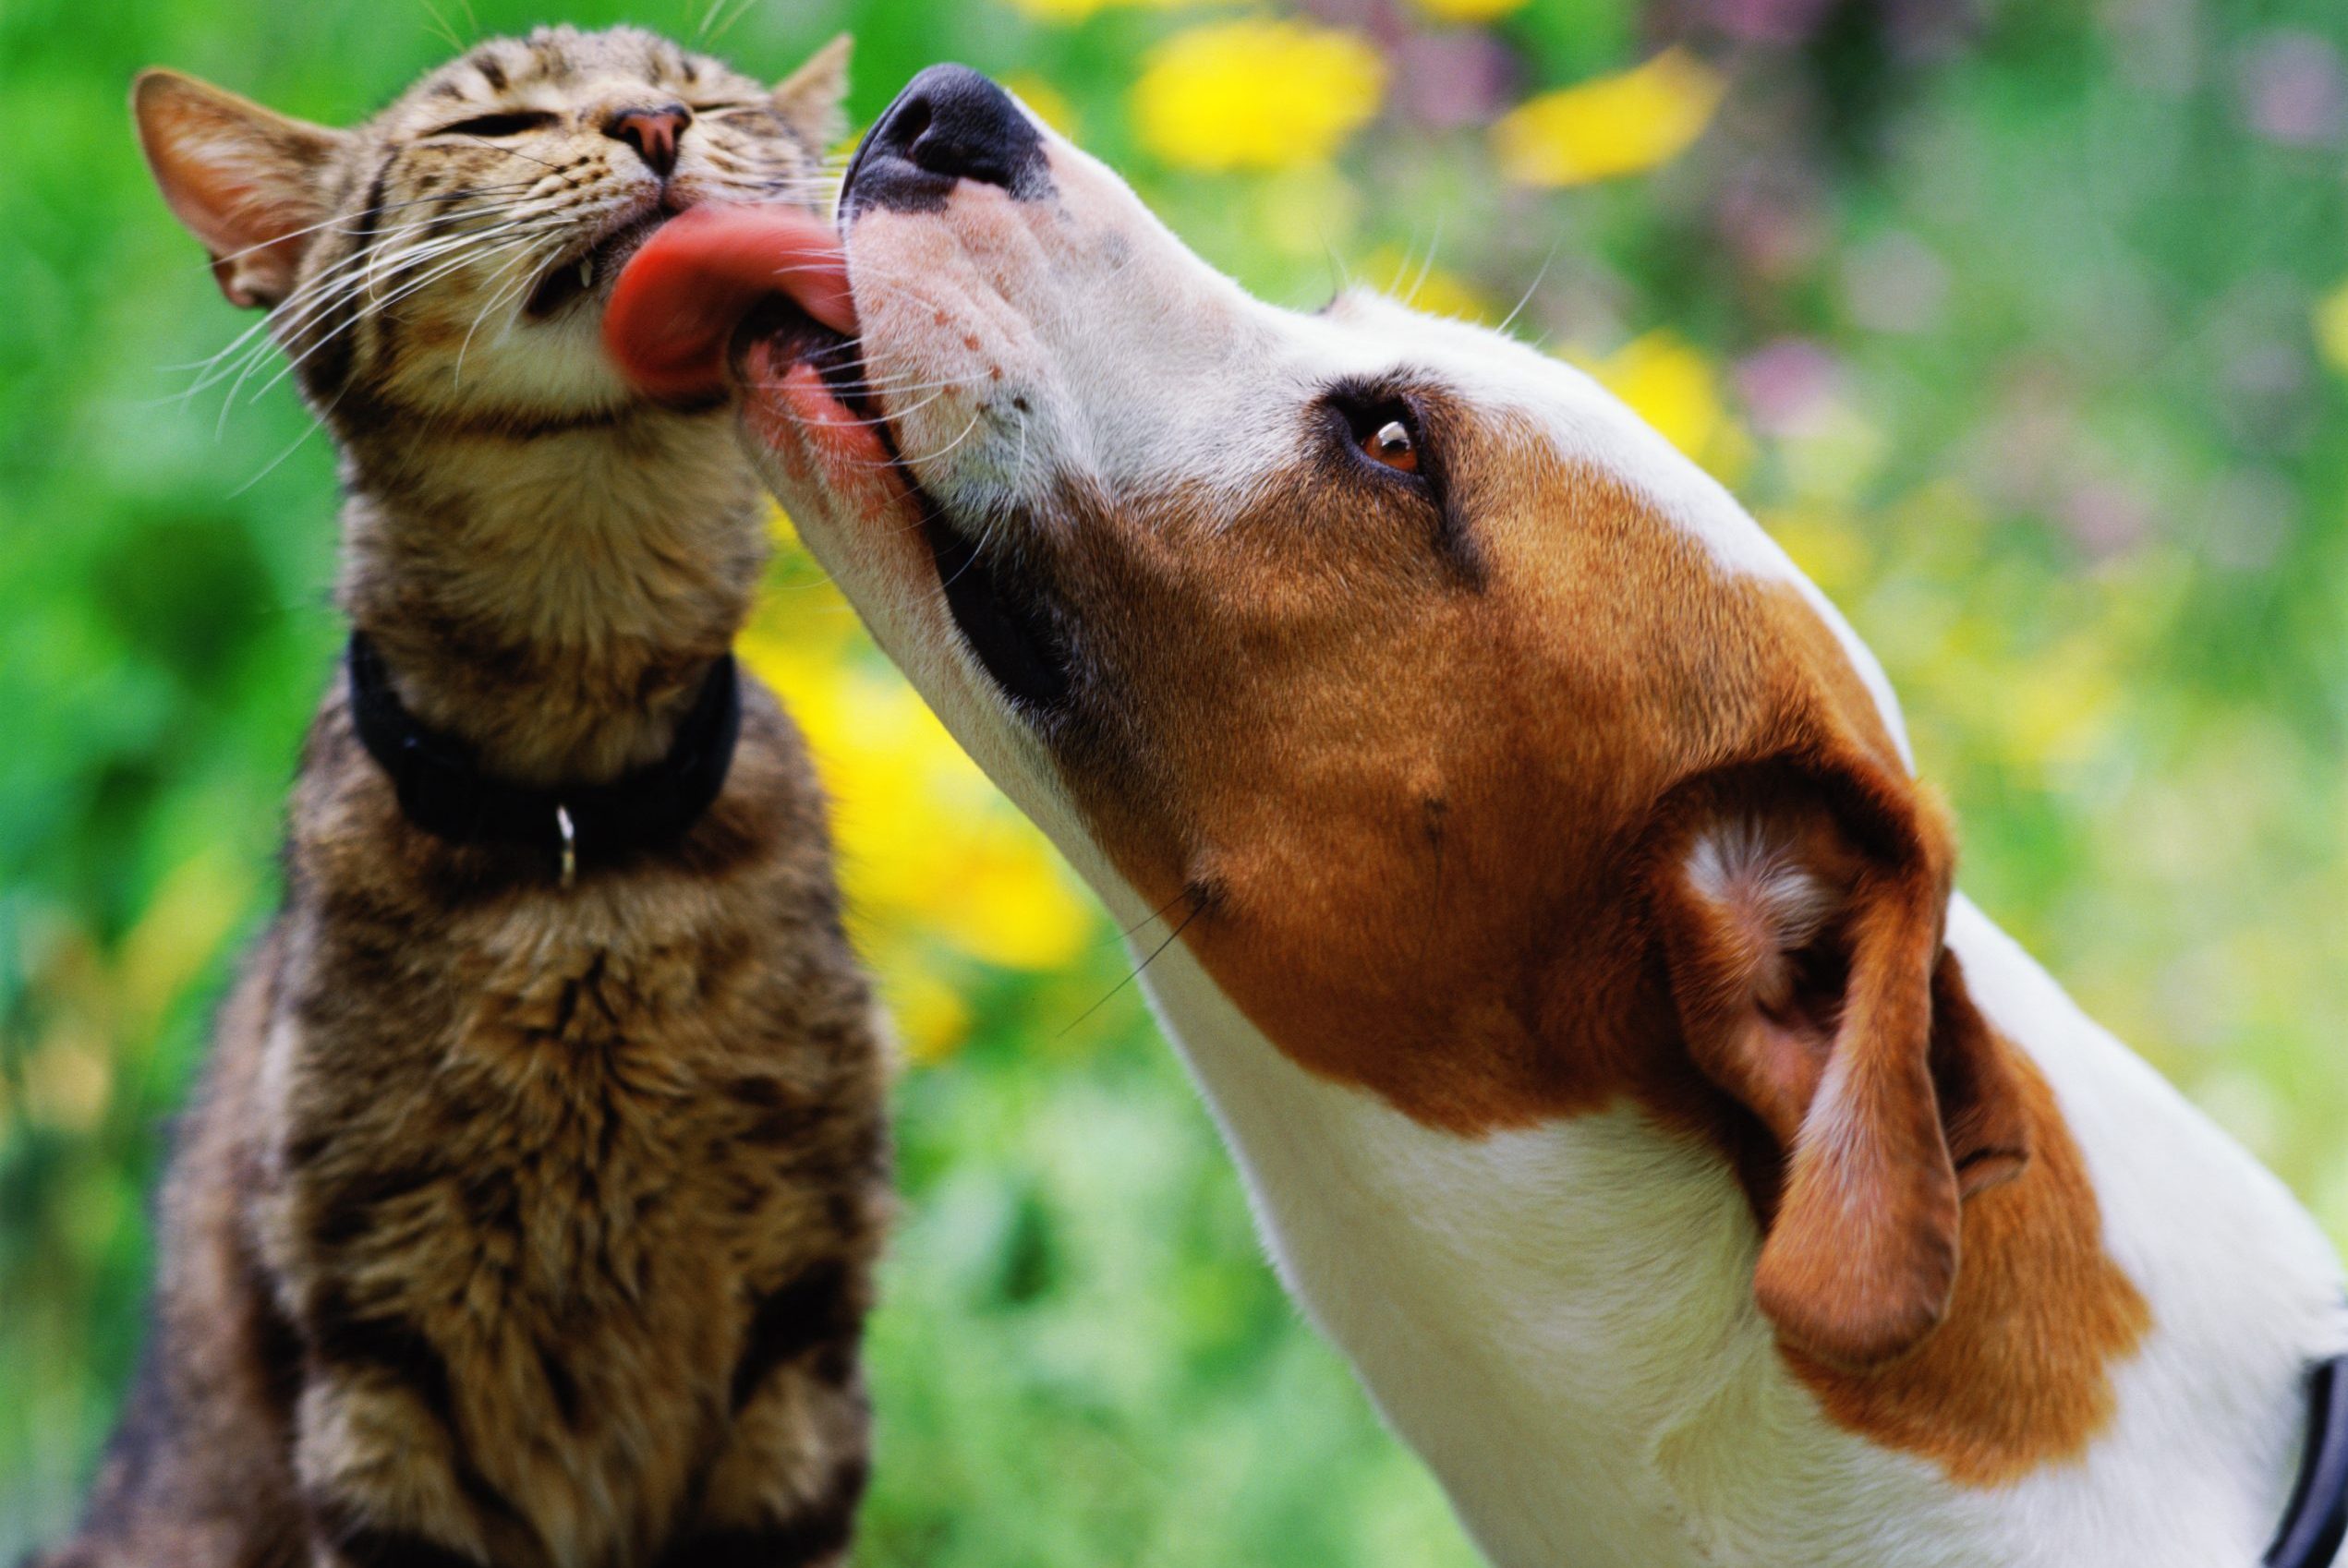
(537, 1160)
(556, 1085)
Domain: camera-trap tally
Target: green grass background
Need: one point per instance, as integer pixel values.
(2083, 484)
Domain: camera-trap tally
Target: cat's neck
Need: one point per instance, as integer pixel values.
(554, 601)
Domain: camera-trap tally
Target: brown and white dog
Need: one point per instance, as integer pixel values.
(1557, 929)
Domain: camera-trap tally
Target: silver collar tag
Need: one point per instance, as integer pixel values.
(570, 846)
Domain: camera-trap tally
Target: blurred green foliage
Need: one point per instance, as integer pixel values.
(2021, 322)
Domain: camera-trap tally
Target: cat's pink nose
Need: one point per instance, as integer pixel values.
(652, 132)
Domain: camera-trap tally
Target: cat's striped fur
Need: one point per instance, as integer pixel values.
(514, 1226)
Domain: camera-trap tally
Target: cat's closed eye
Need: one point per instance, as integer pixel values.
(512, 124)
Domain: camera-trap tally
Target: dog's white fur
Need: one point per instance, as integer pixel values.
(1561, 1319)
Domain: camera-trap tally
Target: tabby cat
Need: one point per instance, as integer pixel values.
(527, 1214)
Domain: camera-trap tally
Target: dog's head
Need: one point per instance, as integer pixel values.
(1483, 750)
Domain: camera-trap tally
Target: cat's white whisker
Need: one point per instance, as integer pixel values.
(329, 298)
(376, 305)
(304, 304)
(335, 222)
(500, 298)
(348, 281)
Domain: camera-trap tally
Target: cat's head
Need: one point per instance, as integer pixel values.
(448, 259)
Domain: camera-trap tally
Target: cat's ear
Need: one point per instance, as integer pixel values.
(813, 100)
(1799, 909)
(248, 183)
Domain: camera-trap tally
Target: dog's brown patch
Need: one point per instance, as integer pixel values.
(2017, 1376)
(1406, 821)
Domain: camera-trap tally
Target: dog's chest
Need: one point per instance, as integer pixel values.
(1558, 1321)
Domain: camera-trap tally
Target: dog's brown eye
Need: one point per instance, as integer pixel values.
(1392, 444)
(1383, 428)
(498, 125)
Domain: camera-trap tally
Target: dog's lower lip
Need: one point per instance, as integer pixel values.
(794, 337)
(843, 372)
(1009, 629)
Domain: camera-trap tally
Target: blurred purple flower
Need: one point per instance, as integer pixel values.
(1896, 284)
(1768, 21)
(2252, 341)
(2291, 88)
(1378, 18)
(1790, 386)
(1449, 79)
(2158, 42)
(2270, 371)
(2018, 455)
(2267, 383)
(1914, 30)
(1768, 213)
(2106, 516)
(1924, 31)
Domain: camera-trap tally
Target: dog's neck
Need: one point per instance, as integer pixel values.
(1560, 1320)
(554, 599)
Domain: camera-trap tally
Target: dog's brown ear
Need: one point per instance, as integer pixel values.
(1799, 908)
(248, 182)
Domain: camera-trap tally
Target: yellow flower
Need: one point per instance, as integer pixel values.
(1672, 386)
(1469, 11)
(2056, 715)
(1826, 542)
(2331, 328)
(1306, 211)
(69, 1075)
(1417, 282)
(1617, 125)
(1077, 10)
(929, 1015)
(193, 910)
(1051, 106)
(1256, 94)
(932, 860)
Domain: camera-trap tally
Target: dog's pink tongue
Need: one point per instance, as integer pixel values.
(680, 298)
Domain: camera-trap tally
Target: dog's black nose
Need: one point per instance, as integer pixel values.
(950, 124)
